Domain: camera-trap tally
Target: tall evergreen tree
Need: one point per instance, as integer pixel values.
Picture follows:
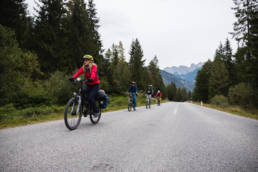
(155, 77)
(244, 12)
(136, 63)
(246, 31)
(123, 70)
(219, 79)
(95, 45)
(171, 91)
(201, 89)
(82, 37)
(49, 35)
(229, 62)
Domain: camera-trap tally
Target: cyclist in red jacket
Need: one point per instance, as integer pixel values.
(158, 96)
(89, 69)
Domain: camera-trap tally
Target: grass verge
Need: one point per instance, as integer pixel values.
(236, 110)
(12, 117)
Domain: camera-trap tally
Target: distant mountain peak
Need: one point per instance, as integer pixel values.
(183, 73)
(182, 69)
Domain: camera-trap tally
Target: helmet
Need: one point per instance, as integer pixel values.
(89, 57)
(149, 85)
(132, 82)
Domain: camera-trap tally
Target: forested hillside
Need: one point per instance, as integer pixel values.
(233, 78)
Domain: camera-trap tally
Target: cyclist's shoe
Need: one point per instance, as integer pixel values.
(134, 108)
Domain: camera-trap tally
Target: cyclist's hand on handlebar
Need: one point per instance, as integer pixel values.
(72, 80)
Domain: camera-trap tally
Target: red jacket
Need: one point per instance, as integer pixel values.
(158, 95)
(93, 74)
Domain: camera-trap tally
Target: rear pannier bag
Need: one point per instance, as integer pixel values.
(102, 98)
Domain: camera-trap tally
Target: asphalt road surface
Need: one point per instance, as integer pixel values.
(172, 137)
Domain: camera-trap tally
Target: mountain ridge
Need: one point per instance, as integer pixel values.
(179, 82)
(182, 76)
(182, 69)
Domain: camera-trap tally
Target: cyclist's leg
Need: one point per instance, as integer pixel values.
(149, 97)
(92, 94)
(85, 91)
(134, 100)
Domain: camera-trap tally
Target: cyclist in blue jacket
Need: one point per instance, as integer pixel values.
(133, 90)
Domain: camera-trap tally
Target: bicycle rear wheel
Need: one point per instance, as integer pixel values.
(93, 119)
(73, 114)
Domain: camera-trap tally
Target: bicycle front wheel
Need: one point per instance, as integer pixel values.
(73, 113)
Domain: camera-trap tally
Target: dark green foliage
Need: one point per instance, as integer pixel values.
(17, 67)
(81, 35)
(116, 70)
(219, 100)
(201, 90)
(245, 12)
(58, 88)
(241, 94)
(13, 15)
(219, 79)
(177, 94)
(49, 36)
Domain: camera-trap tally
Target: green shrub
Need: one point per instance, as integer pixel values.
(31, 94)
(219, 100)
(7, 108)
(58, 87)
(241, 94)
(37, 111)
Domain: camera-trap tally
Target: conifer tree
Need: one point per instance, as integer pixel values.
(155, 77)
(136, 63)
(49, 35)
(95, 45)
(171, 91)
(219, 79)
(201, 89)
(245, 13)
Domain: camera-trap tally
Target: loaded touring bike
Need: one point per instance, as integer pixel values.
(148, 101)
(130, 103)
(79, 105)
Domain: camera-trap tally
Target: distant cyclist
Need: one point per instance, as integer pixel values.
(149, 92)
(158, 96)
(133, 90)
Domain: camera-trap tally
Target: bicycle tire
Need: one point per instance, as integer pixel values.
(95, 120)
(129, 107)
(66, 115)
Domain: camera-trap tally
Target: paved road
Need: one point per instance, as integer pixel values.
(172, 137)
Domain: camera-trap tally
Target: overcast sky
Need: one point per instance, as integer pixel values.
(179, 32)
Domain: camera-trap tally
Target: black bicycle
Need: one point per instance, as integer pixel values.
(158, 101)
(79, 105)
(148, 101)
(130, 103)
